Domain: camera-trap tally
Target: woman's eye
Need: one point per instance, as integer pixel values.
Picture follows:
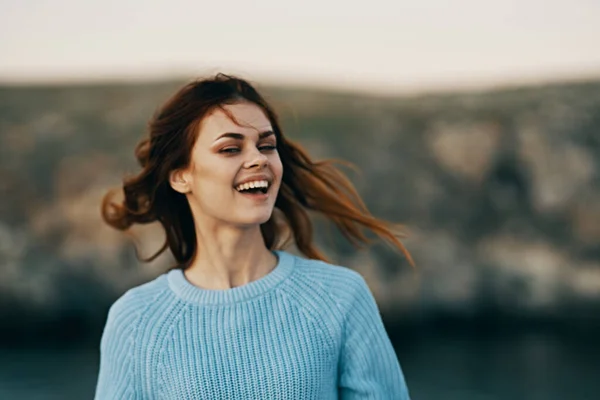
(230, 150)
(233, 150)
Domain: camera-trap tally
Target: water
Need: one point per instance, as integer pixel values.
(530, 367)
(48, 374)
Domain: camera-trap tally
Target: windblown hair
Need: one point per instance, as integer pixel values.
(306, 185)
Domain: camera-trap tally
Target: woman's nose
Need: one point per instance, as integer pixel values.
(257, 159)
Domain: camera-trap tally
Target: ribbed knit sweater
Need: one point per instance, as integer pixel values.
(306, 330)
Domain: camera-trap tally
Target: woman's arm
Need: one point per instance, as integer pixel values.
(115, 379)
(369, 368)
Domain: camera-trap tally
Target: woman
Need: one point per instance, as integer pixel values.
(239, 318)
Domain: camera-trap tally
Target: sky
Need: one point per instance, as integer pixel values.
(375, 45)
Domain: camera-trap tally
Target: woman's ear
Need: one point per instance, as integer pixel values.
(179, 181)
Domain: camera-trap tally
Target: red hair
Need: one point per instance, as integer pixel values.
(306, 185)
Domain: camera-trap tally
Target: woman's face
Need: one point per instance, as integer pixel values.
(235, 171)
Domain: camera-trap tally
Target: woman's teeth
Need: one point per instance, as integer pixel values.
(252, 185)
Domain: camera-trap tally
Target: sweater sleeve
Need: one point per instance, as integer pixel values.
(369, 368)
(116, 376)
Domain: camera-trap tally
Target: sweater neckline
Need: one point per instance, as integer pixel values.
(194, 294)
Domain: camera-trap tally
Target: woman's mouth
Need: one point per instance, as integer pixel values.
(255, 189)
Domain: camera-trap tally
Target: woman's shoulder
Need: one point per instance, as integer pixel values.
(326, 270)
(134, 300)
(341, 283)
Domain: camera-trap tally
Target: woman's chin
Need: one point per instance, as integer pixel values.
(255, 220)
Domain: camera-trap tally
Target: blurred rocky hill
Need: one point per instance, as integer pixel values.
(500, 191)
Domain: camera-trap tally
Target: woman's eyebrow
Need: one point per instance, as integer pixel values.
(239, 136)
(265, 134)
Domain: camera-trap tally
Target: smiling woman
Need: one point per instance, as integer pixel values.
(238, 317)
(234, 153)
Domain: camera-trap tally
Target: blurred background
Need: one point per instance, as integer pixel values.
(474, 123)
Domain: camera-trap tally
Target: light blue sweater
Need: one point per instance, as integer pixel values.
(307, 330)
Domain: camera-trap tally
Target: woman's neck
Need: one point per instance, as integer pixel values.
(229, 257)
